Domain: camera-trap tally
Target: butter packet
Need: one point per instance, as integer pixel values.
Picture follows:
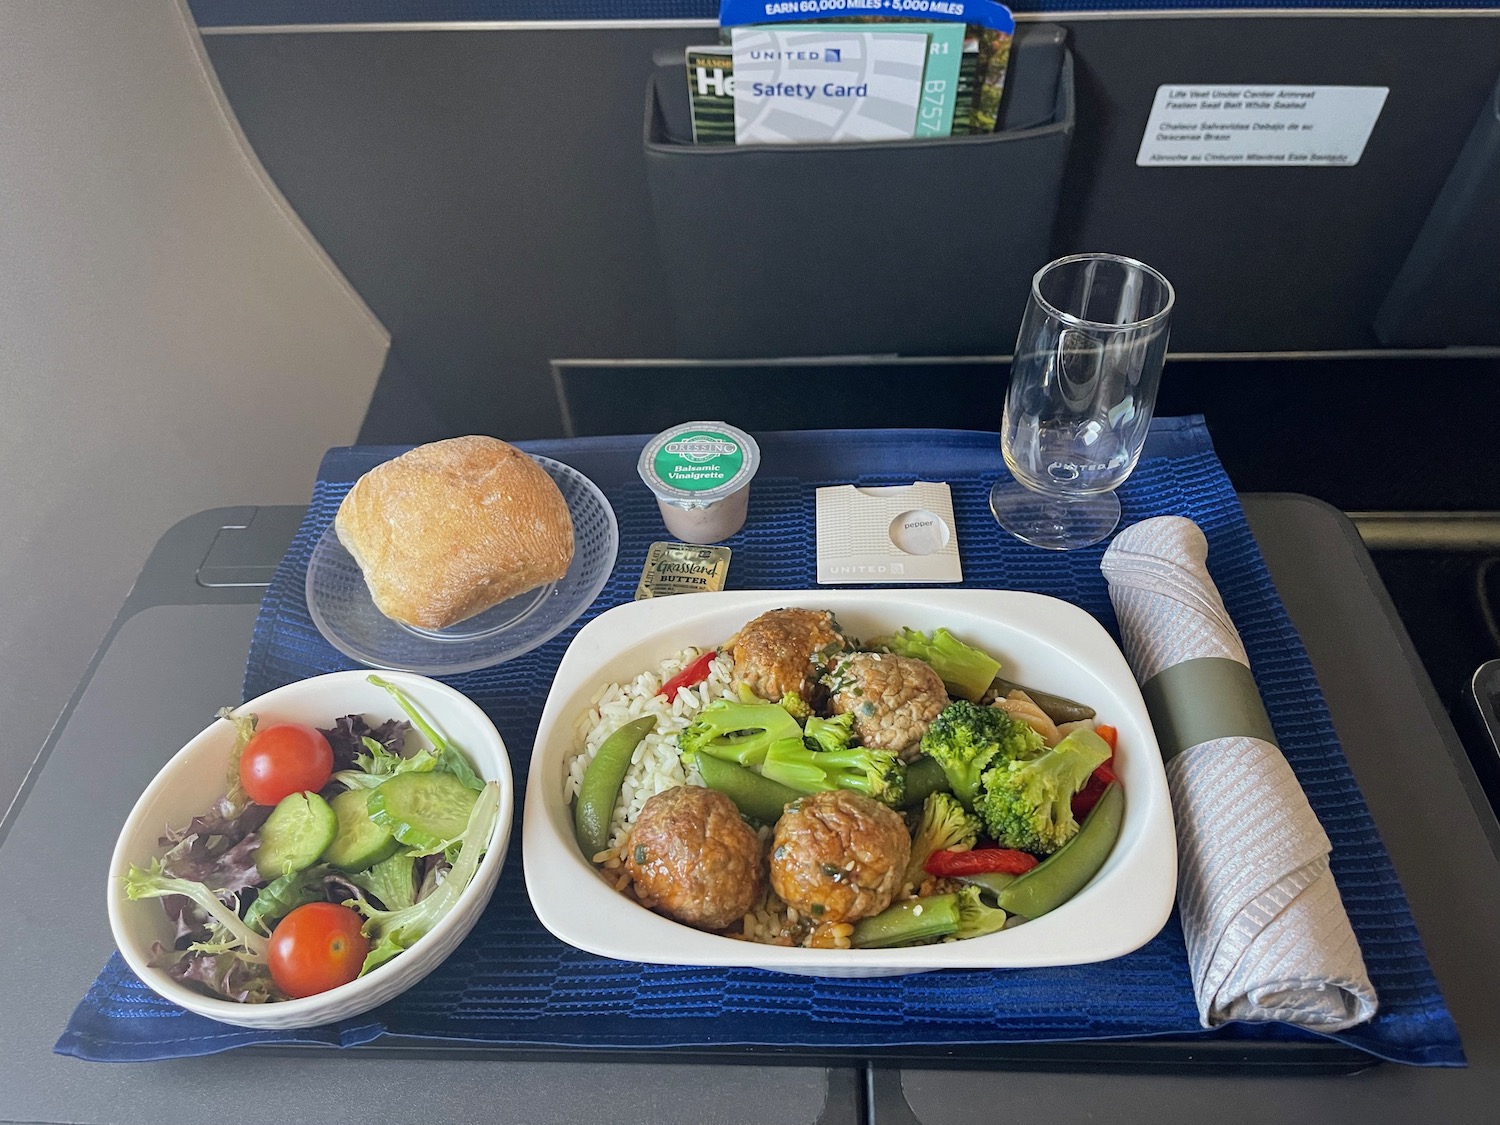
(682, 568)
(899, 534)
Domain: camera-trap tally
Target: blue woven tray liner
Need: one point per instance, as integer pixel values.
(512, 984)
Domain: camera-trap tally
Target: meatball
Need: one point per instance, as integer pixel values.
(839, 856)
(892, 698)
(692, 858)
(785, 650)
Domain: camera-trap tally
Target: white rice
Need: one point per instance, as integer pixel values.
(656, 764)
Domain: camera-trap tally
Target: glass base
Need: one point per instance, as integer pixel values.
(1055, 523)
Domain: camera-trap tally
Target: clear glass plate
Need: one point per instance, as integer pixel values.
(341, 607)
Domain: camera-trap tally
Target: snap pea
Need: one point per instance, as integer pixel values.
(1063, 874)
(600, 791)
(920, 919)
(989, 882)
(923, 777)
(755, 796)
(1058, 708)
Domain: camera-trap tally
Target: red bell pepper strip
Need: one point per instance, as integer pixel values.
(1087, 797)
(694, 674)
(1099, 780)
(1007, 861)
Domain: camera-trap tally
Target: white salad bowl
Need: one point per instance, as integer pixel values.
(195, 778)
(1040, 641)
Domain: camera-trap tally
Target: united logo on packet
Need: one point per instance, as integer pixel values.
(682, 568)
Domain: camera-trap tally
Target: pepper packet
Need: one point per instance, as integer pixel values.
(895, 534)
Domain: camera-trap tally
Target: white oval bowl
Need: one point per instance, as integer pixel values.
(194, 779)
(1048, 644)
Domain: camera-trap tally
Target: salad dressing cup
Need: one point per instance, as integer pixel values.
(700, 473)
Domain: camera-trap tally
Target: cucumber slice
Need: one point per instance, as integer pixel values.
(424, 810)
(360, 842)
(294, 835)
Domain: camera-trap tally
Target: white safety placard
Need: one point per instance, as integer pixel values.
(1208, 125)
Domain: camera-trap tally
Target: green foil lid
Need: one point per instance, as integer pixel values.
(699, 463)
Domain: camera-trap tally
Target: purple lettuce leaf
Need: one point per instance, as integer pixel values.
(220, 820)
(435, 869)
(216, 850)
(348, 734)
(341, 889)
(227, 873)
(228, 975)
(228, 870)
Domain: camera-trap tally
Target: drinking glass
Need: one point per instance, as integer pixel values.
(1083, 383)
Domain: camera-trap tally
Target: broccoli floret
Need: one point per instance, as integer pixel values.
(1027, 804)
(795, 706)
(875, 773)
(946, 826)
(829, 734)
(966, 740)
(738, 732)
(975, 919)
(965, 670)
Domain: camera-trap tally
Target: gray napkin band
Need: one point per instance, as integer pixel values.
(1203, 699)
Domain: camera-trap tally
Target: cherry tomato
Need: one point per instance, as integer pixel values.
(283, 759)
(317, 947)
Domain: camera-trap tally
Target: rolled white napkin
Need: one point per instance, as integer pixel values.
(1267, 934)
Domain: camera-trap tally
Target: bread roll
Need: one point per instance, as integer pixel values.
(450, 529)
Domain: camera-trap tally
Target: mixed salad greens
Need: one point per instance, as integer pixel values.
(331, 852)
